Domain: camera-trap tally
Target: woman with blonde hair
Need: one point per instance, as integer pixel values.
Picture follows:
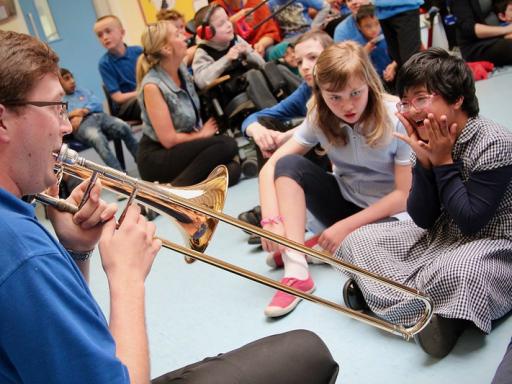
(176, 146)
(353, 120)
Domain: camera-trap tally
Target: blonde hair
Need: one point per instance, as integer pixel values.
(153, 39)
(335, 67)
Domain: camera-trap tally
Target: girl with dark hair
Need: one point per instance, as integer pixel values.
(458, 248)
(353, 120)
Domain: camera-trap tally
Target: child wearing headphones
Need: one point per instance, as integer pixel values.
(220, 51)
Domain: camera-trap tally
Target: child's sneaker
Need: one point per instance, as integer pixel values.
(275, 260)
(283, 303)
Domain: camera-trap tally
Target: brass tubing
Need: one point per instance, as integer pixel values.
(157, 197)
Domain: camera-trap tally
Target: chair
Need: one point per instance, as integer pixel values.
(118, 145)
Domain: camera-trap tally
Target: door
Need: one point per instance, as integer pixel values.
(67, 26)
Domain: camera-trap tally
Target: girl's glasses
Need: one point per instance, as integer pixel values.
(419, 102)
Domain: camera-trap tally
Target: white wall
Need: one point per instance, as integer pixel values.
(17, 23)
(131, 16)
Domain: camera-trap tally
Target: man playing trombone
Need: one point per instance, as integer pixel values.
(51, 328)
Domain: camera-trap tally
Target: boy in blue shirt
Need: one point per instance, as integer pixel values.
(374, 42)
(91, 125)
(117, 67)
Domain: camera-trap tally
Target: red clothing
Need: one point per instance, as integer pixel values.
(269, 28)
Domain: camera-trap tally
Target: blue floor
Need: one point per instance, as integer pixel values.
(196, 310)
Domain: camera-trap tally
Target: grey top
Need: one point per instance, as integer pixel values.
(365, 174)
(206, 69)
(183, 102)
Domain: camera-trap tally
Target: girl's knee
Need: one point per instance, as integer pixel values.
(290, 166)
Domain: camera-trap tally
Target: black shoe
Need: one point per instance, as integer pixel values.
(149, 214)
(440, 335)
(254, 240)
(234, 172)
(353, 296)
(250, 167)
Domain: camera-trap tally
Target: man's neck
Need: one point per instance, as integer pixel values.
(119, 50)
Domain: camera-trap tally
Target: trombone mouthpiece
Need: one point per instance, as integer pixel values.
(66, 155)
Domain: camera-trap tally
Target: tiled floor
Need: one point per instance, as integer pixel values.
(196, 310)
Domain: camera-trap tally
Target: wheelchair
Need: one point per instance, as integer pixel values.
(241, 92)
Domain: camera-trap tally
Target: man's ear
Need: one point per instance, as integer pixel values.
(4, 132)
(502, 16)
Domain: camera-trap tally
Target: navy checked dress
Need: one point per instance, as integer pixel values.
(467, 276)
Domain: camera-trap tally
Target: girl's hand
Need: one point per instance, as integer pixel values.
(441, 141)
(414, 141)
(263, 137)
(268, 245)
(210, 128)
(331, 238)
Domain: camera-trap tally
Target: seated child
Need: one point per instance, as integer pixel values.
(503, 10)
(266, 35)
(220, 51)
(284, 53)
(179, 22)
(376, 45)
(363, 27)
(91, 125)
(117, 67)
(294, 19)
(458, 247)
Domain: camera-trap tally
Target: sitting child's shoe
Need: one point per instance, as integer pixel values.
(275, 260)
(353, 297)
(283, 303)
(440, 335)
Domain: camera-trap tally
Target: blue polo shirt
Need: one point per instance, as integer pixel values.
(118, 72)
(51, 328)
(83, 98)
(348, 30)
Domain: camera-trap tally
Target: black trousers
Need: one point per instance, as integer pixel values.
(496, 50)
(186, 163)
(323, 196)
(296, 357)
(402, 34)
(504, 373)
(129, 110)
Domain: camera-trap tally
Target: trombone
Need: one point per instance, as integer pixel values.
(197, 209)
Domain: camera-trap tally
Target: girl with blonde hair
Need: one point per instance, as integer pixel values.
(176, 146)
(353, 120)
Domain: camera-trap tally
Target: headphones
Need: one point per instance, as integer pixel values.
(205, 31)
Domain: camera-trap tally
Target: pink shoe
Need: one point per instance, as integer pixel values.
(275, 260)
(283, 303)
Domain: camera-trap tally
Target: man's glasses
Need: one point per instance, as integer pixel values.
(419, 102)
(63, 110)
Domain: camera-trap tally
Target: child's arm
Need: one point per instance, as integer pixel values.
(423, 204)
(250, 53)
(206, 69)
(392, 203)
(472, 204)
